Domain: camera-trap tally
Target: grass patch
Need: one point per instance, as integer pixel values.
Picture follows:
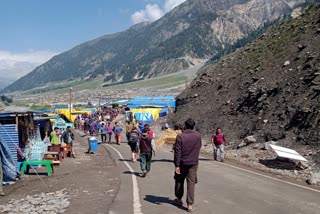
(40, 107)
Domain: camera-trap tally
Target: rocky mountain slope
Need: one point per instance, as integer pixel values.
(269, 89)
(194, 31)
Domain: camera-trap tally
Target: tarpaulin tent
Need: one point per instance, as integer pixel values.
(8, 151)
(155, 112)
(164, 112)
(144, 117)
(61, 124)
(9, 168)
(159, 101)
(57, 107)
(9, 137)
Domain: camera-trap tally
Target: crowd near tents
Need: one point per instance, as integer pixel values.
(149, 109)
(23, 132)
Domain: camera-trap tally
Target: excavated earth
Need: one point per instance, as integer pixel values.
(269, 89)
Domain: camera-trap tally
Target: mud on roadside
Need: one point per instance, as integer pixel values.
(91, 182)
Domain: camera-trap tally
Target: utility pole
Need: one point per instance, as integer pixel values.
(70, 104)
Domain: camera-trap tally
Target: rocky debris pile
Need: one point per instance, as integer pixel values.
(260, 156)
(48, 203)
(314, 179)
(269, 89)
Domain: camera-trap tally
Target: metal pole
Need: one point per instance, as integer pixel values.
(70, 108)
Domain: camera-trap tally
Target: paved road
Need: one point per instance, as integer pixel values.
(221, 189)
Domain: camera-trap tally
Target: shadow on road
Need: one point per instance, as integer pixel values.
(159, 200)
(126, 160)
(205, 159)
(162, 160)
(278, 164)
(138, 174)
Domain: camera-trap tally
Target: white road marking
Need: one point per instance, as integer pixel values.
(136, 198)
(269, 177)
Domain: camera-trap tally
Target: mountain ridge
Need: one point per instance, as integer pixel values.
(269, 89)
(172, 43)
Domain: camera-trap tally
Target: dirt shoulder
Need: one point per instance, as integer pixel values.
(89, 184)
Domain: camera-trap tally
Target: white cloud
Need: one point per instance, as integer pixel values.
(16, 65)
(170, 4)
(153, 12)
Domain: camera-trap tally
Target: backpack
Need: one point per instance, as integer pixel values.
(134, 137)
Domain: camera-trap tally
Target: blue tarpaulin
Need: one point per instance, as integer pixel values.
(159, 101)
(60, 107)
(9, 168)
(164, 112)
(144, 117)
(9, 137)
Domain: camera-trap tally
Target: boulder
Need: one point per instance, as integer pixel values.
(248, 140)
(266, 145)
(314, 179)
(302, 165)
(286, 63)
(301, 47)
(257, 146)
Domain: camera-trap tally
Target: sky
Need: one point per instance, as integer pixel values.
(33, 31)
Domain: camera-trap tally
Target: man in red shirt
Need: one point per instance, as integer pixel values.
(218, 141)
(152, 134)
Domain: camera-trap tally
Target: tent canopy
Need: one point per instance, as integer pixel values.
(144, 117)
(155, 112)
(159, 101)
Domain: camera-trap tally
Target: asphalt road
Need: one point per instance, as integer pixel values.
(221, 189)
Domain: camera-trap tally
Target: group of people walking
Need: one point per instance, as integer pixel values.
(140, 138)
(186, 155)
(108, 130)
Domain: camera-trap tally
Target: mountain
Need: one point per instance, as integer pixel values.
(195, 31)
(4, 83)
(270, 88)
(10, 70)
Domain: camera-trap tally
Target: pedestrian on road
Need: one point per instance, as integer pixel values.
(151, 134)
(103, 133)
(97, 127)
(128, 129)
(109, 132)
(218, 142)
(117, 132)
(133, 143)
(145, 152)
(186, 160)
(91, 128)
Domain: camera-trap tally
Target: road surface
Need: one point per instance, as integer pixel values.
(221, 189)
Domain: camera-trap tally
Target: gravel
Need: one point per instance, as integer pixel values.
(48, 203)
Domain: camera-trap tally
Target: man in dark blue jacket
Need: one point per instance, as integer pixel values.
(186, 160)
